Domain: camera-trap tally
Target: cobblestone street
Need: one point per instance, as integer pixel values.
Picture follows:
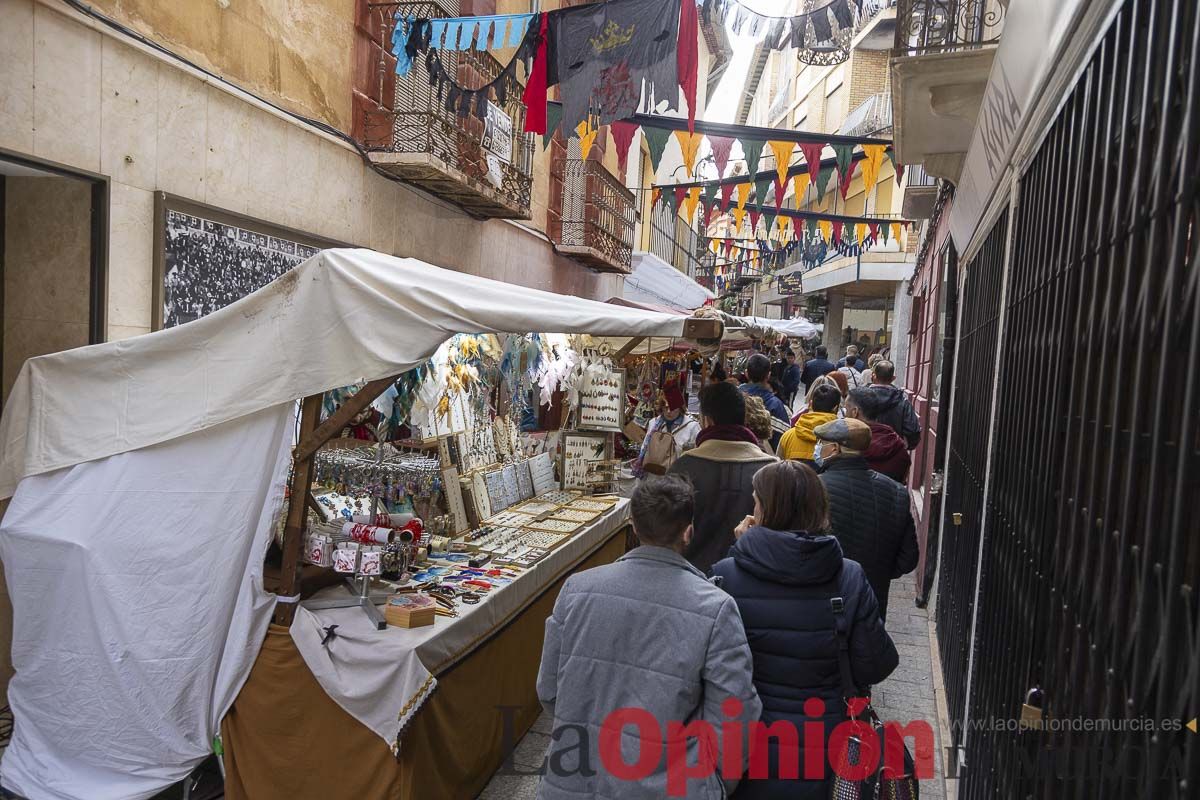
(906, 696)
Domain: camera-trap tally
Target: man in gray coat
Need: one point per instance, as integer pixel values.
(650, 638)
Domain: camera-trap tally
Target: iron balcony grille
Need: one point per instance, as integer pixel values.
(595, 220)
(675, 242)
(940, 26)
(489, 177)
(870, 117)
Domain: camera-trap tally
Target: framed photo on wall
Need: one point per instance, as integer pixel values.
(206, 258)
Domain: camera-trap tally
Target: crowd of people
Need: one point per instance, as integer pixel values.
(767, 552)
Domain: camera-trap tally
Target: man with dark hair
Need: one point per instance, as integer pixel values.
(791, 378)
(798, 443)
(647, 632)
(868, 513)
(816, 367)
(758, 370)
(891, 406)
(721, 467)
(887, 454)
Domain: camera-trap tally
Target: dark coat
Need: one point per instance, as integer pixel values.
(815, 368)
(897, 412)
(783, 583)
(888, 454)
(869, 514)
(722, 473)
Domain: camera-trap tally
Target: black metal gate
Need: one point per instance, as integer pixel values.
(1091, 552)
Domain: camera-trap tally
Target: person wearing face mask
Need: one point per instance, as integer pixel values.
(672, 419)
(868, 513)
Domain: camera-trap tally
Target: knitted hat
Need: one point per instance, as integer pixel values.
(851, 434)
(673, 397)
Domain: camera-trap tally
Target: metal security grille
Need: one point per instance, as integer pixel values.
(968, 466)
(1091, 555)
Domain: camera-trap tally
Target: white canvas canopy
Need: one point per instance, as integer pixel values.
(146, 476)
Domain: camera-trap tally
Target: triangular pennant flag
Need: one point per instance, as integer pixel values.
(860, 232)
(752, 150)
(885, 231)
(761, 187)
(896, 231)
(622, 135)
(769, 216)
(553, 117)
(656, 141)
(739, 214)
(783, 223)
(845, 155)
(826, 229)
(810, 227)
(743, 192)
(871, 164)
(710, 196)
(823, 181)
(587, 135)
(783, 157)
(754, 215)
(837, 230)
(897, 167)
(721, 145)
(726, 195)
(812, 157)
(874, 229)
(689, 145)
(655, 196)
(799, 187)
(689, 205)
(847, 177)
(778, 194)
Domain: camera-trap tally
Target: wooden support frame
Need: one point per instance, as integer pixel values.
(312, 436)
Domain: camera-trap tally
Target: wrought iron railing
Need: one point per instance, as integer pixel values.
(421, 124)
(938, 26)
(672, 240)
(870, 117)
(596, 212)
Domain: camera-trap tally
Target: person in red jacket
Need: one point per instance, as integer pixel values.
(888, 453)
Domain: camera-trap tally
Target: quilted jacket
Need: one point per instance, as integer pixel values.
(783, 583)
(648, 631)
(869, 514)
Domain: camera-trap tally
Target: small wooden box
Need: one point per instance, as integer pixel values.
(408, 616)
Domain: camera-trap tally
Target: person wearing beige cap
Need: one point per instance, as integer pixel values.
(868, 512)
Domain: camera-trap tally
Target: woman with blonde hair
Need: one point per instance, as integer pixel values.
(758, 420)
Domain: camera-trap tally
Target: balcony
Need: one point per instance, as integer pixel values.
(920, 193)
(593, 218)
(941, 59)
(871, 117)
(484, 168)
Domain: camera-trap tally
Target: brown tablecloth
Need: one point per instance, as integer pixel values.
(285, 738)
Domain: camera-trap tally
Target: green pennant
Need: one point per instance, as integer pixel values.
(769, 216)
(810, 225)
(885, 231)
(656, 140)
(823, 181)
(710, 197)
(753, 149)
(891, 154)
(668, 198)
(761, 187)
(553, 117)
(844, 153)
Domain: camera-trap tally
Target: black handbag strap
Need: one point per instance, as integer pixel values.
(838, 606)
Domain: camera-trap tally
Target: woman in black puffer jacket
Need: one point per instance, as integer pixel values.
(783, 579)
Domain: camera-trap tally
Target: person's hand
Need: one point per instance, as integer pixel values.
(746, 524)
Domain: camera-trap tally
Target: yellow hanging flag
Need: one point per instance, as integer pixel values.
(689, 143)
(713, 246)
(743, 192)
(871, 164)
(782, 222)
(587, 135)
(860, 232)
(739, 214)
(826, 229)
(896, 232)
(689, 205)
(799, 187)
(783, 157)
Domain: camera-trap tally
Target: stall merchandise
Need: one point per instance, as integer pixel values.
(150, 474)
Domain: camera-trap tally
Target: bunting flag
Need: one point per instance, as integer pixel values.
(721, 145)
(779, 191)
(896, 231)
(752, 151)
(689, 145)
(860, 232)
(799, 187)
(743, 193)
(587, 136)
(871, 164)
(873, 227)
(680, 193)
(823, 182)
(622, 135)
(739, 214)
(655, 196)
(805, 32)
(687, 56)
(812, 157)
(754, 216)
(898, 167)
(761, 187)
(710, 198)
(826, 228)
(726, 195)
(553, 117)
(769, 217)
(844, 153)
(837, 229)
(689, 208)
(846, 178)
(656, 141)
(783, 157)
(783, 224)
(885, 230)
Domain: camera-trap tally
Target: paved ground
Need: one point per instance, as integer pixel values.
(905, 697)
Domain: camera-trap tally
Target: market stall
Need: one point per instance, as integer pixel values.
(148, 478)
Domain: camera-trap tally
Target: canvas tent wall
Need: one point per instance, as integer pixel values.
(146, 476)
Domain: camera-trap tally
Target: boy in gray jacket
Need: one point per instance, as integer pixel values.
(647, 637)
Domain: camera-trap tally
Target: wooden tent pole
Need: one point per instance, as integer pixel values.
(312, 436)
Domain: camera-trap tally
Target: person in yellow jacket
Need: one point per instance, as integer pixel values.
(797, 444)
